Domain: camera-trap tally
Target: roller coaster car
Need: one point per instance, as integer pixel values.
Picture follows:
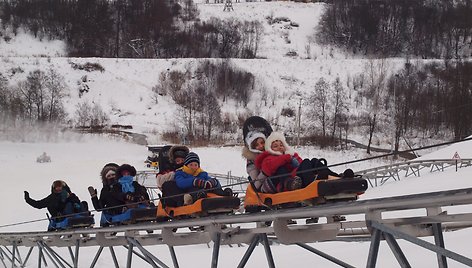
(212, 204)
(83, 220)
(130, 216)
(317, 192)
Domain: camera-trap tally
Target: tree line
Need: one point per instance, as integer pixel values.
(391, 28)
(133, 29)
(37, 99)
(420, 100)
(199, 92)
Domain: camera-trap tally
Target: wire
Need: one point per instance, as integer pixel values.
(246, 182)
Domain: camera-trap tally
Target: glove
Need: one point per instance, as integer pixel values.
(129, 197)
(205, 184)
(26, 195)
(92, 191)
(199, 183)
(294, 162)
(213, 182)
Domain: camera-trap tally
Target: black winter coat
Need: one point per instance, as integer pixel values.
(53, 202)
(112, 199)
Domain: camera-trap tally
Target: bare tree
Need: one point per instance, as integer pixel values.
(376, 72)
(320, 106)
(339, 105)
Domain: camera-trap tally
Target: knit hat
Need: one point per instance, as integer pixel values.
(251, 137)
(191, 157)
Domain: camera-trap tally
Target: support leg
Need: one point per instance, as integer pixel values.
(324, 255)
(374, 248)
(113, 256)
(76, 259)
(95, 259)
(216, 251)
(130, 256)
(249, 251)
(392, 243)
(174, 257)
(439, 241)
(28, 255)
(268, 252)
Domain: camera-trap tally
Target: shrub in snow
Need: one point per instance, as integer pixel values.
(44, 158)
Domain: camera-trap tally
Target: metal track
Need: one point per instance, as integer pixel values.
(379, 175)
(227, 229)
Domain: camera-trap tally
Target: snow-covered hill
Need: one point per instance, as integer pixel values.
(123, 89)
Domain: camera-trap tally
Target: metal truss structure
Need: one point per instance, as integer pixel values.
(253, 229)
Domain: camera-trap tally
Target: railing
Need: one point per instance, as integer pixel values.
(379, 175)
(234, 229)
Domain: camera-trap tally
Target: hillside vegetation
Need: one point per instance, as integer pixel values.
(312, 72)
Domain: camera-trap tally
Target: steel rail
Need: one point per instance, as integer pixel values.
(425, 200)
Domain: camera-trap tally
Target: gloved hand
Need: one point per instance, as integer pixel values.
(26, 195)
(294, 162)
(92, 191)
(205, 184)
(214, 182)
(129, 197)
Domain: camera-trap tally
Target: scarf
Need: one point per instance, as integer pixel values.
(126, 184)
(191, 172)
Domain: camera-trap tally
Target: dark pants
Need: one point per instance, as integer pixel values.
(172, 195)
(309, 170)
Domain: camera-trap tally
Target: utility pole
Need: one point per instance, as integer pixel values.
(299, 121)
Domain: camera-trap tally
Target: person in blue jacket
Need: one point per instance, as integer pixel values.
(192, 179)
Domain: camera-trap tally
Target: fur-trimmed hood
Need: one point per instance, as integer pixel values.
(274, 136)
(248, 155)
(106, 169)
(179, 149)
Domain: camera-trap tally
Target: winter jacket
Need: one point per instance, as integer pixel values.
(269, 163)
(113, 196)
(161, 178)
(256, 175)
(184, 177)
(55, 202)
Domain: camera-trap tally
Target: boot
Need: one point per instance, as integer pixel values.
(228, 192)
(306, 172)
(348, 173)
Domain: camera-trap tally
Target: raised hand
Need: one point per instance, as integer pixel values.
(26, 195)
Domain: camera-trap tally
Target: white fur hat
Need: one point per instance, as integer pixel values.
(277, 136)
(252, 136)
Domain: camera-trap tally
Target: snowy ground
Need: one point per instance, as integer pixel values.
(79, 163)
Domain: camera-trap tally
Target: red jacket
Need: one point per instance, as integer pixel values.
(269, 163)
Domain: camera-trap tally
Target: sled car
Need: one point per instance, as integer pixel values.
(317, 192)
(130, 216)
(212, 204)
(71, 222)
(152, 161)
